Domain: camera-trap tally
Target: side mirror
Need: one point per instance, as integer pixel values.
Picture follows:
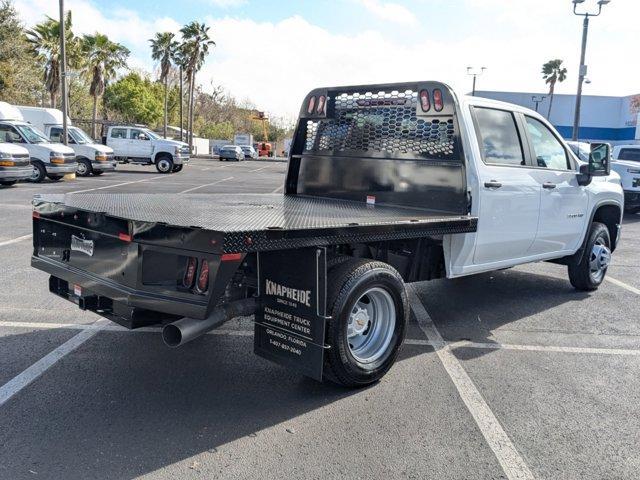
(599, 160)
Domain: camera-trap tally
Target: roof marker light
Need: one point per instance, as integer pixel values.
(425, 103)
(438, 104)
(312, 105)
(321, 102)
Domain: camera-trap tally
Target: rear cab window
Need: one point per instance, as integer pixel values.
(632, 154)
(119, 133)
(498, 136)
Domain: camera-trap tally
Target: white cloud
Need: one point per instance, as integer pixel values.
(390, 12)
(276, 63)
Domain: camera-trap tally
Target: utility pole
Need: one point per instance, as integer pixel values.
(181, 104)
(537, 99)
(63, 75)
(582, 73)
(475, 73)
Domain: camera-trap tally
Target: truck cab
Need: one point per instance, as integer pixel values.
(92, 157)
(138, 144)
(626, 162)
(48, 159)
(14, 163)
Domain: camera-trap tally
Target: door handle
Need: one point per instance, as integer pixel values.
(492, 184)
(548, 185)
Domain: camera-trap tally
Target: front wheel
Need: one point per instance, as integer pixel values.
(84, 168)
(164, 165)
(369, 313)
(589, 272)
(39, 172)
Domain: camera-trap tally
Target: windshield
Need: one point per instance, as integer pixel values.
(151, 134)
(32, 135)
(79, 136)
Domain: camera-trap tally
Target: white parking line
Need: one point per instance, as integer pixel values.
(279, 189)
(530, 348)
(120, 184)
(16, 384)
(15, 240)
(206, 185)
(258, 169)
(512, 463)
(617, 282)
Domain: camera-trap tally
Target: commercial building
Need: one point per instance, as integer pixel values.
(603, 118)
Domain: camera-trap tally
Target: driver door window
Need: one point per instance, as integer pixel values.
(548, 151)
(9, 134)
(138, 135)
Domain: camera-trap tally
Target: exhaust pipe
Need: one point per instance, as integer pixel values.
(186, 329)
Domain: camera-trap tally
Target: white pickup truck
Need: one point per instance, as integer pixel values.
(92, 157)
(626, 161)
(48, 159)
(135, 144)
(386, 184)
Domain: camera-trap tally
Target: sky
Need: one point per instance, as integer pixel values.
(273, 52)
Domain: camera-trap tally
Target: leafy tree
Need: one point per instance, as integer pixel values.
(553, 72)
(44, 39)
(163, 47)
(193, 51)
(134, 99)
(103, 59)
(19, 80)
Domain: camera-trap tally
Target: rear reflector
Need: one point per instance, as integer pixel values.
(231, 257)
(203, 278)
(312, 105)
(437, 100)
(321, 101)
(190, 272)
(425, 103)
(35, 214)
(125, 237)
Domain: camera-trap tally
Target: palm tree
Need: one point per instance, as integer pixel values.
(553, 72)
(163, 48)
(103, 59)
(44, 40)
(195, 48)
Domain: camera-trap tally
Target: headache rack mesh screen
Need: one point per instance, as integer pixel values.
(381, 124)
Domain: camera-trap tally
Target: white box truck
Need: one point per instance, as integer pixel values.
(93, 158)
(48, 159)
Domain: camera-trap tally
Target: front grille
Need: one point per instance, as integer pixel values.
(381, 123)
(21, 159)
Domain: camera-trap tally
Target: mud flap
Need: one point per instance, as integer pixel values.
(291, 315)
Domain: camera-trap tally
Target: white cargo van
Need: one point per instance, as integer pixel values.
(48, 159)
(14, 163)
(93, 158)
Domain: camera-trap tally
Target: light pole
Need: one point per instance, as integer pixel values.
(582, 73)
(537, 99)
(475, 73)
(63, 75)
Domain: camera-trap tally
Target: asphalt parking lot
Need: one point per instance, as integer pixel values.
(512, 374)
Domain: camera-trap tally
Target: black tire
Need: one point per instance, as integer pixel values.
(8, 183)
(177, 168)
(348, 282)
(84, 168)
(164, 164)
(55, 178)
(97, 173)
(39, 172)
(581, 275)
(632, 210)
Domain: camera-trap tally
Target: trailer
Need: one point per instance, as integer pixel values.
(378, 192)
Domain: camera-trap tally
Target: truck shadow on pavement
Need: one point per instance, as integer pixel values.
(124, 405)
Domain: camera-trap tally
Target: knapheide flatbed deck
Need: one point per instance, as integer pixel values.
(262, 222)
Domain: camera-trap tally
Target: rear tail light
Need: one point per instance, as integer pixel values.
(425, 103)
(190, 272)
(321, 102)
(203, 278)
(312, 105)
(437, 100)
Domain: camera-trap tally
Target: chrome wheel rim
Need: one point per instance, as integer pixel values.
(82, 168)
(163, 165)
(370, 325)
(35, 174)
(599, 260)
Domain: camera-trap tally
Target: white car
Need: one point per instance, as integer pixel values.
(14, 163)
(92, 157)
(48, 159)
(134, 144)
